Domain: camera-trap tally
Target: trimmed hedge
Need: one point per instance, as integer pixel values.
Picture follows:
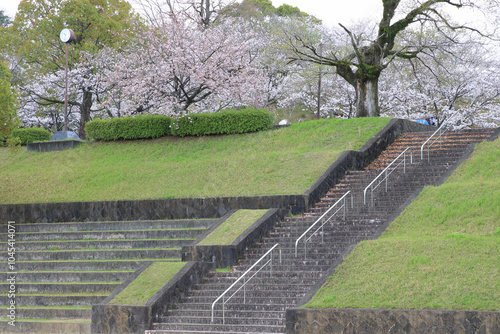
(228, 121)
(140, 127)
(29, 135)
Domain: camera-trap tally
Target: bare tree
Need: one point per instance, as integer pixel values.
(398, 35)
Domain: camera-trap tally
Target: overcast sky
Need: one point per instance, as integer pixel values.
(331, 12)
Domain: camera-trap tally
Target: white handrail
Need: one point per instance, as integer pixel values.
(324, 222)
(224, 301)
(385, 171)
(440, 135)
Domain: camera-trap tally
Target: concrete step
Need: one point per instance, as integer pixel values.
(72, 276)
(57, 255)
(218, 328)
(101, 244)
(65, 288)
(114, 225)
(110, 235)
(83, 265)
(53, 313)
(56, 326)
(55, 300)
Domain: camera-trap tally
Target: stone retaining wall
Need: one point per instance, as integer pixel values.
(375, 321)
(180, 208)
(56, 145)
(228, 255)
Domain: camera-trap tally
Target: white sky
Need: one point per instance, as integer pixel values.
(331, 12)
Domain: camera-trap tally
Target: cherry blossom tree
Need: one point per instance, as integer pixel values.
(183, 67)
(441, 85)
(400, 34)
(34, 40)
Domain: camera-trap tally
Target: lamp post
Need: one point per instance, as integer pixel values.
(319, 79)
(66, 36)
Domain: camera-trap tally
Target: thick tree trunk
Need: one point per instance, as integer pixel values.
(367, 98)
(84, 113)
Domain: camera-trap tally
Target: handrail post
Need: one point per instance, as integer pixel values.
(344, 209)
(305, 248)
(386, 180)
(371, 192)
(271, 265)
(404, 163)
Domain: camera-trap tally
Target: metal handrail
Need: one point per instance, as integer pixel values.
(245, 281)
(440, 135)
(324, 222)
(387, 173)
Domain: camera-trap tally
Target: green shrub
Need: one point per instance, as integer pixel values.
(29, 135)
(229, 121)
(140, 127)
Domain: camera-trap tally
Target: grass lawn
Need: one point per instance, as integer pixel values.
(148, 283)
(284, 161)
(230, 229)
(443, 252)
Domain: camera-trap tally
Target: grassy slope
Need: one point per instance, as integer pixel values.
(230, 229)
(285, 161)
(148, 283)
(442, 253)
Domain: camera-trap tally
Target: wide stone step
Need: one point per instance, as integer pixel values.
(266, 280)
(186, 316)
(72, 276)
(255, 292)
(53, 313)
(53, 327)
(219, 328)
(228, 320)
(65, 288)
(281, 286)
(55, 300)
(83, 265)
(101, 244)
(56, 255)
(111, 235)
(191, 307)
(115, 225)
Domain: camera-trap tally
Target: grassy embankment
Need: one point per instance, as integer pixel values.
(284, 161)
(443, 252)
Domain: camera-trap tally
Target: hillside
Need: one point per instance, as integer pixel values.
(441, 253)
(284, 161)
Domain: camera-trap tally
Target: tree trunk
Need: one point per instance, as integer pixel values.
(367, 98)
(84, 113)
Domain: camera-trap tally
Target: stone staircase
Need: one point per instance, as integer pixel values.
(64, 268)
(268, 297)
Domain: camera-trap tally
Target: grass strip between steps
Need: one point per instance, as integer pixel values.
(139, 291)
(45, 320)
(442, 252)
(230, 229)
